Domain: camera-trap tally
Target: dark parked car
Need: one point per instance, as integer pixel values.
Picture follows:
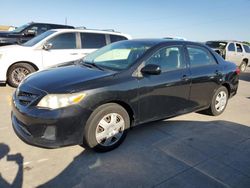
(26, 32)
(95, 101)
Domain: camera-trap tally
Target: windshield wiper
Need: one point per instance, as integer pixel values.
(91, 64)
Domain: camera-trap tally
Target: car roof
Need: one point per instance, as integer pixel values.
(159, 41)
(92, 31)
(49, 24)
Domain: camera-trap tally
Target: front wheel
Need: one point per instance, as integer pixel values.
(243, 66)
(18, 72)
(219, 102)
(107, 127)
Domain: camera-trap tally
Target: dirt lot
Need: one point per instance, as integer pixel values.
(193, 150)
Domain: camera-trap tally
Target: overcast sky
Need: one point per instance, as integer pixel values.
(197, 20)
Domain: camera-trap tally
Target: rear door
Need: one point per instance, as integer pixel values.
(165, 94)
(64, 48)
(206, 74)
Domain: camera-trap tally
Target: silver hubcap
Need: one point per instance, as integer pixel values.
(243, 67)
(19, 74)
(221, 101)
(110, 129)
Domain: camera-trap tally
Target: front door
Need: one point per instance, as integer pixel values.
(166, 94)
(64, 49)
(234, 53)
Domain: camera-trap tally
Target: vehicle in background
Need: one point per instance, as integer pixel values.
(51, 48)
(233, 51)
(26, 32)
(96, 101)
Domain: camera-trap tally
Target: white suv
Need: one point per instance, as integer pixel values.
(51, 48)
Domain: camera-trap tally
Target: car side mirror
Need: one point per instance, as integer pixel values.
(47, 46)
(30, 32)
(151, 69)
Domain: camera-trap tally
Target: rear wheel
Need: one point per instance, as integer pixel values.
(107, 127)
(243, 66)
(219, 102)
(18, 72)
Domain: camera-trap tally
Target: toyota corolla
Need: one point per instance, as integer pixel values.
(95, 101)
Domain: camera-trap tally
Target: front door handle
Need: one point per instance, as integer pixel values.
(217, 72)
(74, 54)
(185, 78)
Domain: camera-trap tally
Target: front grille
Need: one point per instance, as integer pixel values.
(26, 98)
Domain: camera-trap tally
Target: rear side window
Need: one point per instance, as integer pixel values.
(115, 38)
(64, 41)
(247, 49)
(231, 47)
(92, 40)
(199, 56)
(239, 48)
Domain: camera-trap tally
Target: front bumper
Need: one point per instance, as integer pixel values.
(49, 128)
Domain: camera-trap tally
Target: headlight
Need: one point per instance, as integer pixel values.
(54, 101)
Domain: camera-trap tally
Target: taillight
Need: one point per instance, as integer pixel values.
(237, 71)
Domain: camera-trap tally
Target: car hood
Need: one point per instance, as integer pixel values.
(6, 34)
(13, 48)
(65, 79)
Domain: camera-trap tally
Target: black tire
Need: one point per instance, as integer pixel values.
(12, 75)
(94, 124)
(212, 110)
(243, 66)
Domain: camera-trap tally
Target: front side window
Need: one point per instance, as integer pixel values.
(92, 40)
(38, 28)
(199, 56)
(239, 48)
(41, 29)
(33, 28)
(118, 56)
(231, 47)
(168, 58)
(63, 41)
(247, 48)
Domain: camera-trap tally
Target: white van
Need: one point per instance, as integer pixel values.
(51, 48)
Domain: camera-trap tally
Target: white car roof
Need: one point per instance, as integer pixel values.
(92, 31)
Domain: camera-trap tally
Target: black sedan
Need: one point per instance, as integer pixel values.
(96, 100)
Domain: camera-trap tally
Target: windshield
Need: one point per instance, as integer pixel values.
(217, 44)
(118, 56)
(20, 29)
(38, 38)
